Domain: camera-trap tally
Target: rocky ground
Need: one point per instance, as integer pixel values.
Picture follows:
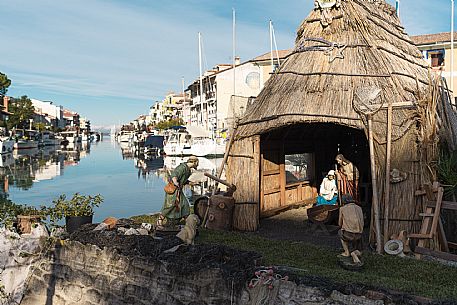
(235, 264)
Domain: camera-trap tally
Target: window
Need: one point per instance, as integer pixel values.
(253, 80)
(299, 167)
(436, 58)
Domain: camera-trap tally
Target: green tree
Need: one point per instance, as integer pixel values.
(167, 124)
(4, 84)
(40, 126)
(22, 110)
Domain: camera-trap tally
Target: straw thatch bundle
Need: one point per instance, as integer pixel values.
(364, 46)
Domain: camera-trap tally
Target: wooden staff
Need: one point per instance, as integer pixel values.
(387, 181)
(374, 186)
(226, 154)
(221, 170)
(337, 181)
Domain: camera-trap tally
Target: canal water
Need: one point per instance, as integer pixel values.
(129, 183)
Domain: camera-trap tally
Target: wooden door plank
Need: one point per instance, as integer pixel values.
(282, 175)
(442, 237)
(437, 212)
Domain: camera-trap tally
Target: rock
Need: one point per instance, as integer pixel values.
(146, 226)
(18, 253)
(122, 230)
(59, 233)
(143, 231)
(132, 231)
(101, 227)
(354, 300)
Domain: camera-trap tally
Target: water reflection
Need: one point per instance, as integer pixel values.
(161, 166)
(24, 167)
(130, 183)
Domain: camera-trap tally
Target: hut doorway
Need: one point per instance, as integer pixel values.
(296, 158)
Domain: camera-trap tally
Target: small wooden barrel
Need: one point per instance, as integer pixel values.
(220, 213)
(246, 216)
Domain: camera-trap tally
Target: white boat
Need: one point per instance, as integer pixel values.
(203, 146)
(25, 144)
(48, 138)
(178, 144)
(71, 136)
(125, 136)
(6, 144)
(182, 144)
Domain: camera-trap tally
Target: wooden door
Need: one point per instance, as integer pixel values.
(273, 177)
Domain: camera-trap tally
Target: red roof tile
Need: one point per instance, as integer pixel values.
(267, 56)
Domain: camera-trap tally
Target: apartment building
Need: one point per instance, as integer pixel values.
(48, 113)
(224, 93)
(436, 49)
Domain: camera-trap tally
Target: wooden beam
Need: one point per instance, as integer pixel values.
(445, 205)
(272, 212)
(271, 172)
(437, 212)
(273, 191)
(442, 237)
(437, 254)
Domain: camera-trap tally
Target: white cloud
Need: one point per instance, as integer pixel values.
(139, 50)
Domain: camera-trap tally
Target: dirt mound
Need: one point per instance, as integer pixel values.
(235, 264)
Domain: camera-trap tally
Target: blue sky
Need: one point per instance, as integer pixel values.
(111, 59)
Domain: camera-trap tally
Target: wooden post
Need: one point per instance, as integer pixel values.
(226, 154)
(221, 170)
(387, 181)
(374, 186)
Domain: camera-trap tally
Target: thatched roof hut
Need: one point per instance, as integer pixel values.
(315, 106)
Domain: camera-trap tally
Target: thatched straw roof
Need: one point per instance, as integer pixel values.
(318, 81)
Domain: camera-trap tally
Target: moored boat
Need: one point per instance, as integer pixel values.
(71, 136)
(6, 145)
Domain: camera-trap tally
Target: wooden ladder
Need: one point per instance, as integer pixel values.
(431, 222)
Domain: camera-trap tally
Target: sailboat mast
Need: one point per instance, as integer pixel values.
(271, 46)
(452, 50)
(201, 74)
(234, 55)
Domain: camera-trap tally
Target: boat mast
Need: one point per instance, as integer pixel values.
(234, 60)
(184, 98)
(201, 74)
(452, 51)
(271, 46)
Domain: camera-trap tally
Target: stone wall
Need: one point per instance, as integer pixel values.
(84, 274)
(80, 274)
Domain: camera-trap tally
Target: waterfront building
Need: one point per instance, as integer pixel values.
(71, 118)
(4, 114)
(436, 49)
(228, 91)
(48, 113)
(84, 126)
(171, 107)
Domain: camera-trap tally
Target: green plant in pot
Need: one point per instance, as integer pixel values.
(77, 211)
